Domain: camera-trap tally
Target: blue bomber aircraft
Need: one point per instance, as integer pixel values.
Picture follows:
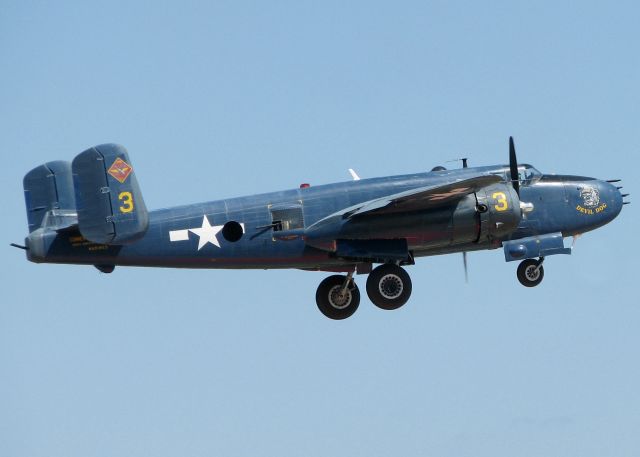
(91, 212)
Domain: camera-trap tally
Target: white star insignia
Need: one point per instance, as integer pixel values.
(207, 233)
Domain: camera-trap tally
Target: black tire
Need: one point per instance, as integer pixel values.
(527, 273)
(389, 286)
(330, 304)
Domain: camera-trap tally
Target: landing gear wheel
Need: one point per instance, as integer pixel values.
(530, 272)
(333, 301)
(389, 286)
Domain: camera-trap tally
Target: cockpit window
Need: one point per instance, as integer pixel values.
(528, 175)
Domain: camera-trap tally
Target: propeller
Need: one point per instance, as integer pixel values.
(464, 253)
(515, 181)
(575, 238)
(513, 167)
(466, 271)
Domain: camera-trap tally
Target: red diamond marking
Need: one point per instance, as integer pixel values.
(120, 170)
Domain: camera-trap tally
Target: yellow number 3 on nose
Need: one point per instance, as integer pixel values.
(501, 198)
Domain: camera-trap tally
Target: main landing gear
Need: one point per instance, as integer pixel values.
(531, 272)
(388, 287)
(338, 297)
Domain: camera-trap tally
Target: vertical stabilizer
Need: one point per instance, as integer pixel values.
(109, 202)
(47, 188)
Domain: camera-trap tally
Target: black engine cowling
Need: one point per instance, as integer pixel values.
(503, 212)
(491, 213)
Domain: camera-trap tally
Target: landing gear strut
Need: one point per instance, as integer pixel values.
(531, 272)
(389, 286)
(338, 296)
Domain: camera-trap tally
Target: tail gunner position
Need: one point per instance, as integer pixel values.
(91, 212)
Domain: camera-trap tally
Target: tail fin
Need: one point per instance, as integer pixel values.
(108, 199)
(48, 189)
(97, 193)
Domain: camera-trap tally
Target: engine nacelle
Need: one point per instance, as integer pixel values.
(489, 214)
(499, 211)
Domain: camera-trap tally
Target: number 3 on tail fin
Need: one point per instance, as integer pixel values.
(127, 202)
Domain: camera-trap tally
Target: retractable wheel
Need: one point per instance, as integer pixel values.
(530, 272)
(334, 300)
(389, 286)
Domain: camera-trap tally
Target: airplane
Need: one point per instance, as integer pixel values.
(91, 212)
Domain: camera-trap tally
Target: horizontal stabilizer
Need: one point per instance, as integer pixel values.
(109, 202)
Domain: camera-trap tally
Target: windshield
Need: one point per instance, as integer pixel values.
(527, 174)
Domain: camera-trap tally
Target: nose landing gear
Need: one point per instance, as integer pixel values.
(531, 272)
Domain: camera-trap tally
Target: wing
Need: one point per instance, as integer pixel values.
(356, 222)
(421, 198)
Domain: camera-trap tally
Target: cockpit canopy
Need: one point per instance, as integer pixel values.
(527, 174)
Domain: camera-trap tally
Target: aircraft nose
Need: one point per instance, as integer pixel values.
(595, 202)
(610, 196)
(615, 197)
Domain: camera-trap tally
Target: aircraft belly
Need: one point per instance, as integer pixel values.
(154, 250)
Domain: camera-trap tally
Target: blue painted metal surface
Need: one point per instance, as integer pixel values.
(110, 206)
(46, 188)
(535, 246)
(193, 236)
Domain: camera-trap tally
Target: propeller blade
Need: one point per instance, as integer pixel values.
(466, 271)
(513, 166)
(575, 238)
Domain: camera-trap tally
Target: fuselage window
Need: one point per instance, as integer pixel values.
(287, 219)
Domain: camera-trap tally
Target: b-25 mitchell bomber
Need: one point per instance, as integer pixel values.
(91, 212)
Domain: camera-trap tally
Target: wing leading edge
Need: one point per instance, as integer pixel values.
(421, 198)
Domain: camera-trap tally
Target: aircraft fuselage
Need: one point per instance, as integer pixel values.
(273, 224)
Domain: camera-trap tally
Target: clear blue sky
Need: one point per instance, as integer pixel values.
(222, 99)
